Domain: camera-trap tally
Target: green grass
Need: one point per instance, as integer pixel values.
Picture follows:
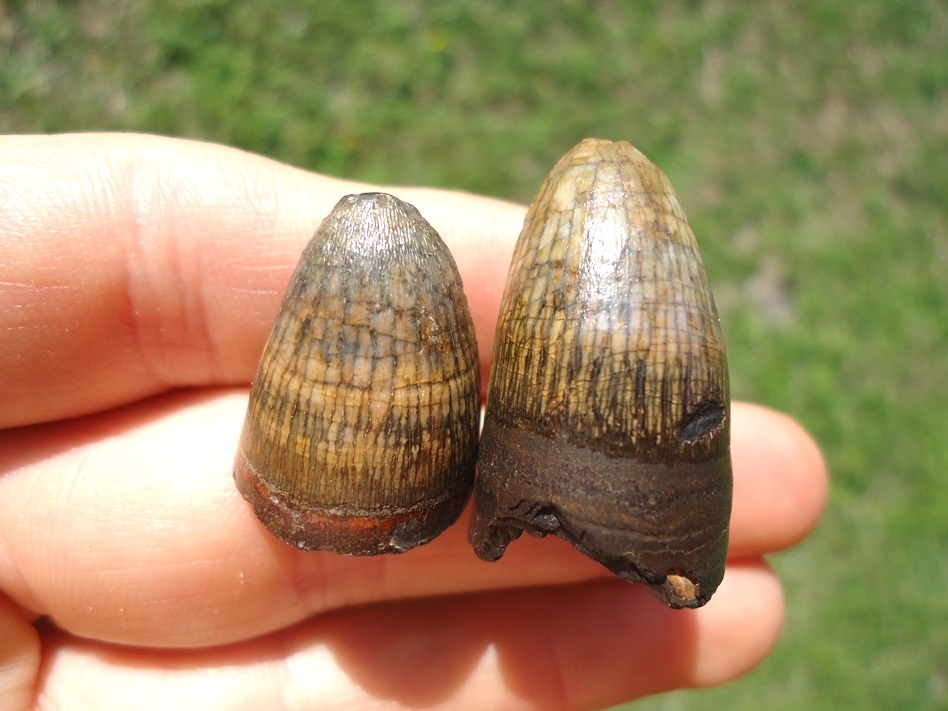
(808, 143)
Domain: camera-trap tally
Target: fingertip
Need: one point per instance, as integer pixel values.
(740, 625)
(780, 481)
(674, 649)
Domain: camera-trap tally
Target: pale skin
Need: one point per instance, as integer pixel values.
(139, 278)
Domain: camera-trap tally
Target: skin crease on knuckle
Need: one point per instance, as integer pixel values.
(764, 442)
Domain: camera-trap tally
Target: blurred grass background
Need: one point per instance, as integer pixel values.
(808, 143)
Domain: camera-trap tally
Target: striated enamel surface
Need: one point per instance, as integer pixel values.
(361, 430)
(608, 413)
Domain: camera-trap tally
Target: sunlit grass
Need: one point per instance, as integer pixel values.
(807, 142)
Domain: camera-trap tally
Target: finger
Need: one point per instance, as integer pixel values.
(571, 647)
(135, 264)
(780, 481)
(19, 657)
(143, 543)
(146, 543)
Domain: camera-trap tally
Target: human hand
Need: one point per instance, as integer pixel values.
(139, 278)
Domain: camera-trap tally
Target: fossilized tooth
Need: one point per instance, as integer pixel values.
(361, 430)
(608, 412)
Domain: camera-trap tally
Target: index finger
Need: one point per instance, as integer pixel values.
(136, 264)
